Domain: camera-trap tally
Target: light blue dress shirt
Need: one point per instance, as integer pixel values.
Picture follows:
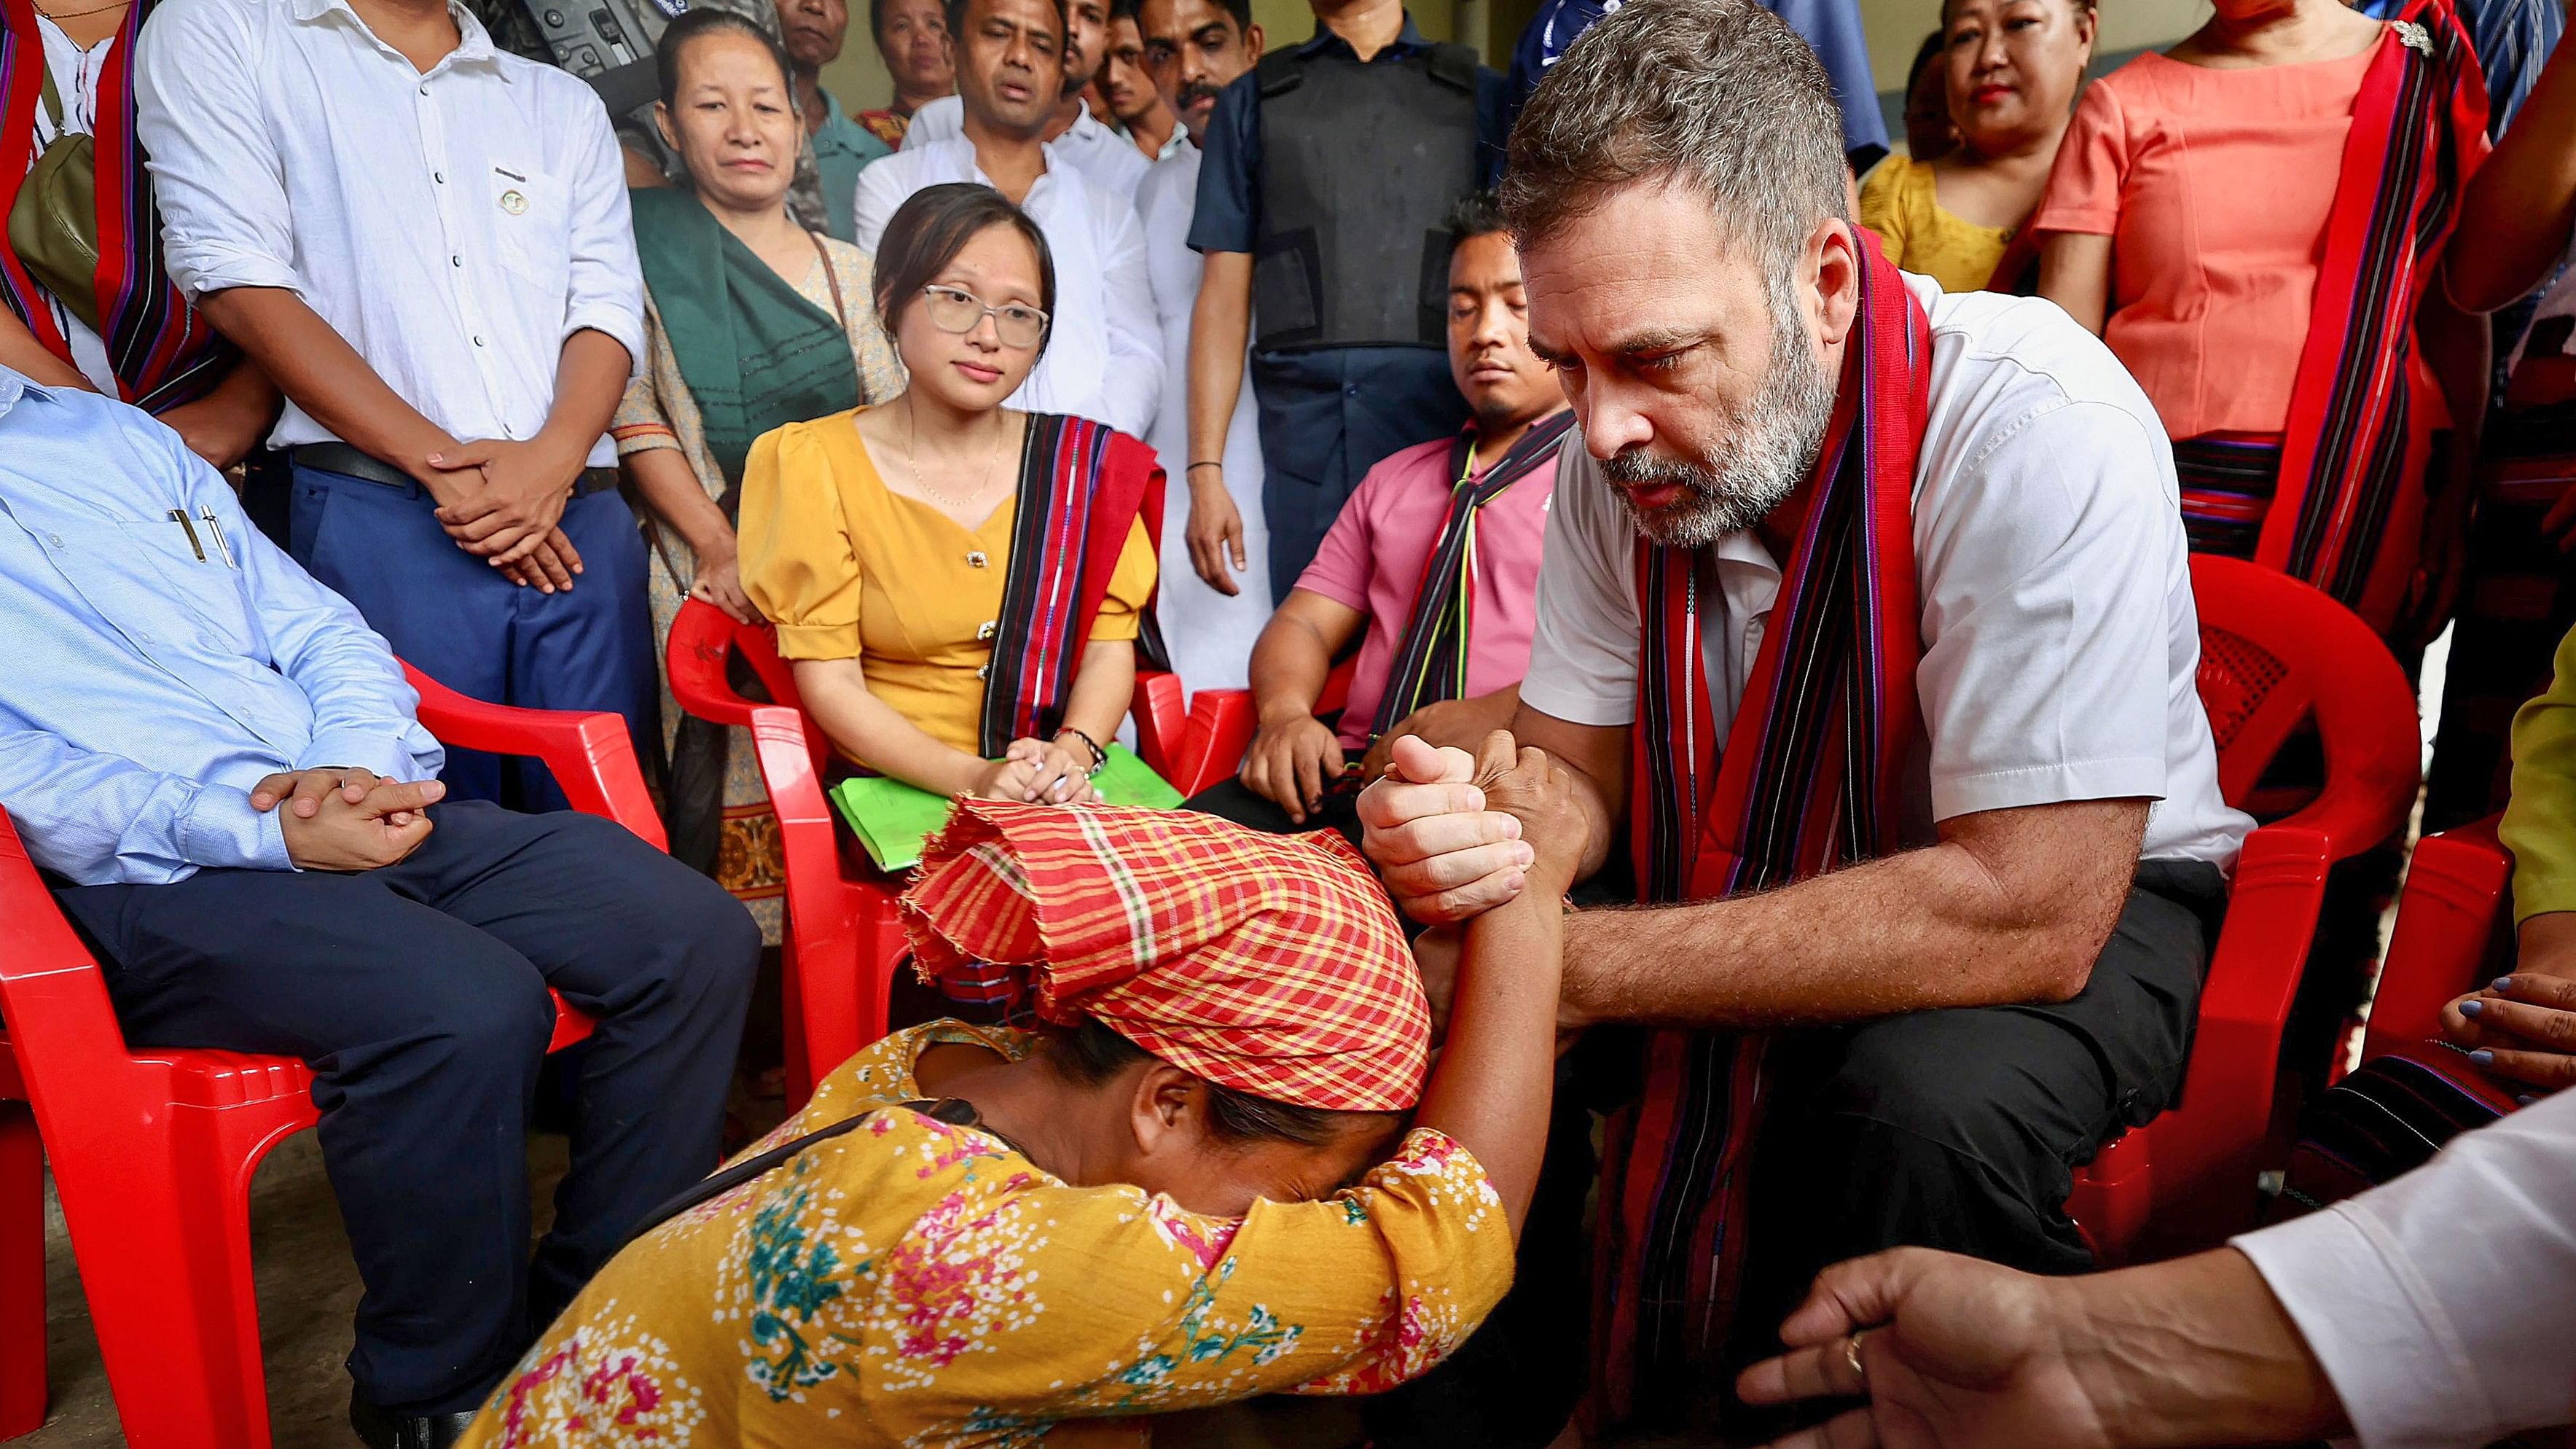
(146, 689)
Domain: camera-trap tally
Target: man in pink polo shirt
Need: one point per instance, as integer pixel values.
(1435, 556)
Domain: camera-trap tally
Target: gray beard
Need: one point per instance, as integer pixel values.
(1766, 451)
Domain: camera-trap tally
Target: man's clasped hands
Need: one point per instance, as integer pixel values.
(343, 818)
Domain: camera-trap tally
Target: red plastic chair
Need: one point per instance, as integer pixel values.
(2274, 653)
(153, 1150)
(2452, 934)
(1222, 723)
(842, 940)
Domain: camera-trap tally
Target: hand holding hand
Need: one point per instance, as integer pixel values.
(1539, 793)
(303, 792)
(1215, 531)
(1444, 854)
(1008, 778)
(511, 511)
(387, 821)
(1059, 771)
(1291, 762)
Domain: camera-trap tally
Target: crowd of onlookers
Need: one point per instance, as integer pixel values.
(1592, 515)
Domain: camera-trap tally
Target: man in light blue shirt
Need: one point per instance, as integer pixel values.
(216, 761)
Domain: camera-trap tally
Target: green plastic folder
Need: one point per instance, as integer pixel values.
(894, 820)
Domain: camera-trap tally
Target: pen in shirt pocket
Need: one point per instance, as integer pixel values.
(223, 545)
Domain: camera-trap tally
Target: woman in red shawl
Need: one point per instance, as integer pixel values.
(1159, 1197)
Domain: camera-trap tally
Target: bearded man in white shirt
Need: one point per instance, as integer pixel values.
(1866, 622)
(1103, 361)
(1194, 49)
(1088, 142)
(425, 242)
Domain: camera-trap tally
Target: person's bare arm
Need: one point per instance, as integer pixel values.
(2075, 273)
(1104, 686)
(1490, 1088)
(2515, 214)
(877, 735)
(224, 425)
(21, 353)
(1220, 329)
(2010, 906)
(663, 479)
(1961, 1354)
(1294, 755)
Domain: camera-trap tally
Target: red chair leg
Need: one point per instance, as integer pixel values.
(22, 1273)
(164, 1254)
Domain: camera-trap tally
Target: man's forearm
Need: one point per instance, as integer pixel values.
(590, 380)
(317, 369)
(1220, 328)
(1920, 930)
(1290, 663)
(2193, 1352)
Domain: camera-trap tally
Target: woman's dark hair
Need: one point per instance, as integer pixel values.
(692, 24)
(927, 232)
(1929, 51)
(1092, 1054)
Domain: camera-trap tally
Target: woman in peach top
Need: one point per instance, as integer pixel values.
(2252, 221)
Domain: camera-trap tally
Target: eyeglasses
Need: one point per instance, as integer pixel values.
(954, 309)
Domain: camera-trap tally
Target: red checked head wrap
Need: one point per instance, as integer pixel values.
(1271, 964)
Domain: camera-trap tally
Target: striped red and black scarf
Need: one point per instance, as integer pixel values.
(1807, 779)
(1430, 662)
(1082, 487)
(164, 353)
(2342, 503)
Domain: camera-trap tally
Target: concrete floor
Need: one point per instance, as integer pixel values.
(308, 1291)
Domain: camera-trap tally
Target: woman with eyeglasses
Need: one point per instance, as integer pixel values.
(959, 586)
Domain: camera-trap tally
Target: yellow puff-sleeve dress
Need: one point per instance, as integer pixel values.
(849, 569)
(918, 1284)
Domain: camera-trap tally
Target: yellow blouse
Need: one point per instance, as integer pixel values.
(916, 1284)
(1898, 202)
(849, 569)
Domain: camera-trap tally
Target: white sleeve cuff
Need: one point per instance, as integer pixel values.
(2379, 1331)
(2134, 778)
(386, 755)
(198, 268)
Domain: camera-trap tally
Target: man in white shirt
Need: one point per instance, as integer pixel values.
(1866, 622)
(1092, 146)
(425, 242)
(2436, 1312)
(1194, 49)
(1103, 360)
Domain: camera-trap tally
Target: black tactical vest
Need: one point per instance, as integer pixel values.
(1360, 165)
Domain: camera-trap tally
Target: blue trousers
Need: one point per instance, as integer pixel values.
(458, 620)
(418, 995)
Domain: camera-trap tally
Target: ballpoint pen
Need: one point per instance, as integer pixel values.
(180, 517)
(215, 526)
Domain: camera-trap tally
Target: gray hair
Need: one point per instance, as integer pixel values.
(1716, 95)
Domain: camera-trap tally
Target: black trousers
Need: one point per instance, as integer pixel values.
(1231, 799)
(418, 995)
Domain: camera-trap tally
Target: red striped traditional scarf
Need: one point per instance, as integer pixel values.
(1082, 487)
(163, 353)
(2348, 511)
(1271, 964)
(1807, 780)
(1429, 663)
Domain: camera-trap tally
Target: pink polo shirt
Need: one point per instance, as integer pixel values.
(1372, 561)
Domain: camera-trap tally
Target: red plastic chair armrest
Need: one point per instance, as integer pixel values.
(1162, 721)
(51, 994)
(589, 754)
(1221, 727)
(2214, 1141)
(2446, 917)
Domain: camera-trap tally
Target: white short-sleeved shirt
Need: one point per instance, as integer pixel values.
(2060, 642)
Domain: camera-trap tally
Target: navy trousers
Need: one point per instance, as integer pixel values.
(418, 995)
(458, 620)
(1328, 416)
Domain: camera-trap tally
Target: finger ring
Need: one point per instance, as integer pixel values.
(1851, 1355)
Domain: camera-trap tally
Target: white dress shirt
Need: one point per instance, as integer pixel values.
(1104, 360)
(1208, 635)
(455, 226)
(1091, 145)
(2443, 1304)
(2061, 647)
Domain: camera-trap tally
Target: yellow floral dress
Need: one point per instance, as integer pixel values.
(918, 1284)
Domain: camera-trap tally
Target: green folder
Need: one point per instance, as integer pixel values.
(894, 820)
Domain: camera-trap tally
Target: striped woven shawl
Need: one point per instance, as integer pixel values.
(1430, 661)
(164, 353)
(2347, 514)
(1807, 780)
(1082, 487)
